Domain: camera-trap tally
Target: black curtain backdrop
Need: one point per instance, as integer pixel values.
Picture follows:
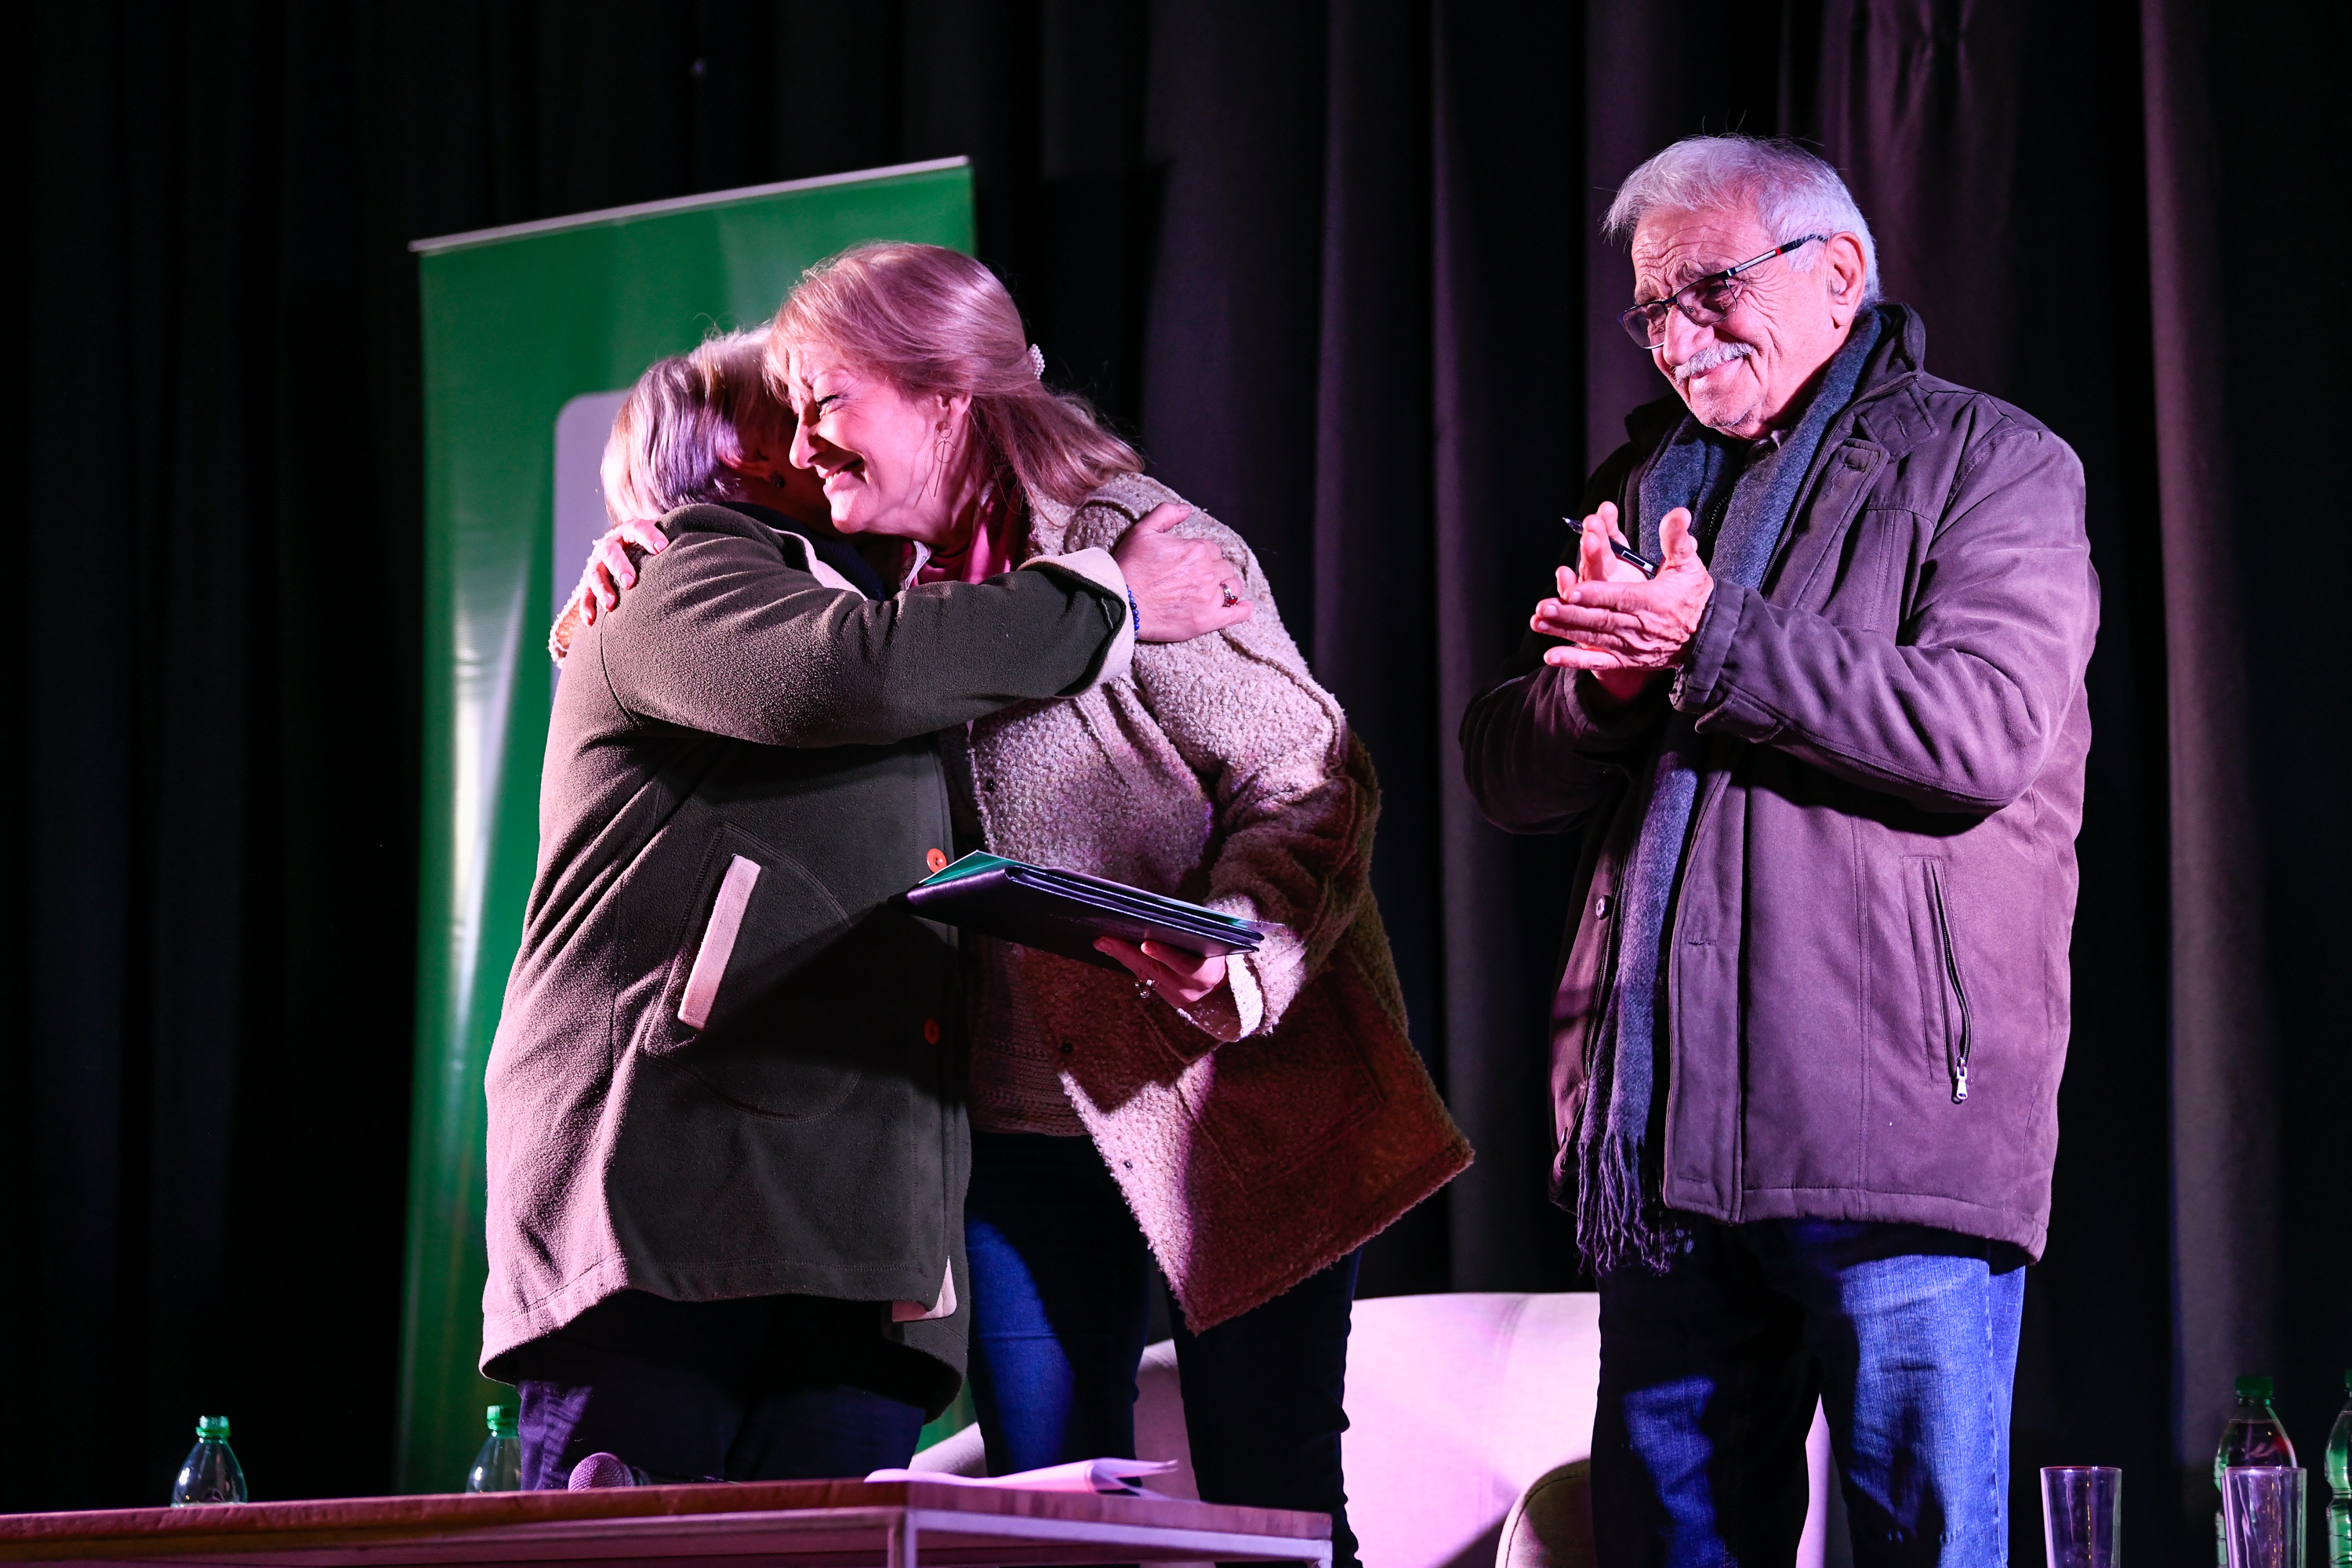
(1334, 267)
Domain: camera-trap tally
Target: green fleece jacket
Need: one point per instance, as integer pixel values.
(731, 1062)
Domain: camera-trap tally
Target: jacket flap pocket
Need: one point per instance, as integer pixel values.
(718, 941)
(1841, 477)
(757, 918)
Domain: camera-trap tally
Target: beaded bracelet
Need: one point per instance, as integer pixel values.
(1135, 612)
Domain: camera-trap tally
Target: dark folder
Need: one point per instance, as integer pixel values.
(1063, 913)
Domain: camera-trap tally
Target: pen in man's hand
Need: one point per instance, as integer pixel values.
(1624, 552)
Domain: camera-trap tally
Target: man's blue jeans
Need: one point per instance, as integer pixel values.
(1061, 1283)
(1708, 1373)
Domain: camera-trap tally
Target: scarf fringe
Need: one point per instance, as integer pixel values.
(1620, 1219)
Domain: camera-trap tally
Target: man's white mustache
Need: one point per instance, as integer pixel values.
(1707, 359)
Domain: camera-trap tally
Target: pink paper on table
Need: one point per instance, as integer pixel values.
(1117, 1477)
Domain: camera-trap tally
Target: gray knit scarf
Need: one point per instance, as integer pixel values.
(1621, 1217)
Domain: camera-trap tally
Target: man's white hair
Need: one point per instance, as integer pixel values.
(1791, 191)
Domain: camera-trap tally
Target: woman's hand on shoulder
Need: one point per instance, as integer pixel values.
(610, 569)
(1183, 588)
(1181, 977)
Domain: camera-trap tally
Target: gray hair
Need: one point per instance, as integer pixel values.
(1790, 191)
(688, 418)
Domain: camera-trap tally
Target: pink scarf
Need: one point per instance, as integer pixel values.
(990, 553)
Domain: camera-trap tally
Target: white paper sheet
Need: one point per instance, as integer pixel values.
(1117, 1477)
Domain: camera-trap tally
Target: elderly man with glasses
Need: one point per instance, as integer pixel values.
(1811, 686)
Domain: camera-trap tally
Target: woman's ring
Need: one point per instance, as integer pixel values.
(1232, 598)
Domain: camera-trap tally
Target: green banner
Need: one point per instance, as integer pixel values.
(532, 334)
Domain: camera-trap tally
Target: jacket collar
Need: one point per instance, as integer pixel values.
(1889, 411)
(817, 542)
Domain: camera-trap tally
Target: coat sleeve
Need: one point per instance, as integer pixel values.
(1543, 747)
(1960, 709)
(1294, 792)
(722, 635)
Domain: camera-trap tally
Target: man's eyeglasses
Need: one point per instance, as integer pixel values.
(1705, 300)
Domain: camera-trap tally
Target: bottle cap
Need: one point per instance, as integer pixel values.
(2254, 1388)
(215, 1428)
(502, 1421)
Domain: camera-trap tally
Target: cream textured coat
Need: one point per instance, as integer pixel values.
(1288, 1120)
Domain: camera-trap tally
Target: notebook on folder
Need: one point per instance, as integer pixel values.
(1064, 911)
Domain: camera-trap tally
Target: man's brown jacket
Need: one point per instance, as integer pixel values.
(1867, 965)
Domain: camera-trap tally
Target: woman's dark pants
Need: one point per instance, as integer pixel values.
(1062, 1283)
(765, 1388)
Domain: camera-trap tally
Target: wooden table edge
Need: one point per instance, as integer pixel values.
(331, 1524)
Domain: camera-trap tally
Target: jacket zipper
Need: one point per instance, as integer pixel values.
(1960, 1057)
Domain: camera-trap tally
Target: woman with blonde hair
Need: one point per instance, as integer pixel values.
(1244, 1125)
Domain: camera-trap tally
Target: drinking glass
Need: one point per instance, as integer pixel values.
(2083, 1515)
(2261, 1515)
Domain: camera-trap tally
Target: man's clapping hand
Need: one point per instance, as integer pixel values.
(1622, 627)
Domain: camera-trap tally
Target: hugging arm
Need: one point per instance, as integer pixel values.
(722, 635)
(611, 567)
(1176, 582)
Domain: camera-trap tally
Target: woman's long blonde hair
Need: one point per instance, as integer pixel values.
(932, 320)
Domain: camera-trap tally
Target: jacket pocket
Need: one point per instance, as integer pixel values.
(717, 945)
(1943, 987)
(747, 1006)
(1272, 1104)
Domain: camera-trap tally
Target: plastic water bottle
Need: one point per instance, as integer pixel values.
(2340, 1481)
(499, 1466)
(210, 1473)
(2254, 1437)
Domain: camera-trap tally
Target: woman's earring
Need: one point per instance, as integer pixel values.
(939, 462)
